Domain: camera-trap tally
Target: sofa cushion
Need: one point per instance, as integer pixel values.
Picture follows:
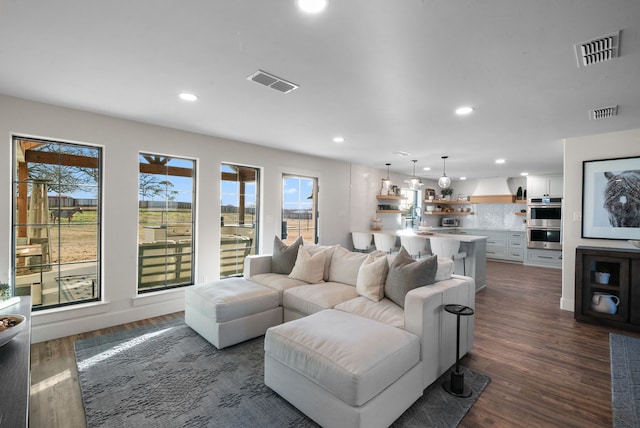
(405, 274)
(352, 357)
(230, 299)
(276, 281)
(384, 311)
(344, 266)
(372, 276)
(311, 298)
(313, 249)
(307, 267)
(284, 257)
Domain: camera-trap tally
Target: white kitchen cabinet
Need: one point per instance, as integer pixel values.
(501, 244)
(549, 186)
(545, 258)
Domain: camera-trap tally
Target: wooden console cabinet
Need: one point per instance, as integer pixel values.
(623, 267)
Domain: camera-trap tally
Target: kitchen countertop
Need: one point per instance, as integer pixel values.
(461, 238)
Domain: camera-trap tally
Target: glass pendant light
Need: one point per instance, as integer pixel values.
(386, 182)
(444, 182)
(415, 182)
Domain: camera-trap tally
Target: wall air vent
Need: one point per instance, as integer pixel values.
(602, 49)
(272, 81)
(603, 113)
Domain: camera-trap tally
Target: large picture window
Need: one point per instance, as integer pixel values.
(56, 222)
(239, 217)
(166, 207)
(299, 208)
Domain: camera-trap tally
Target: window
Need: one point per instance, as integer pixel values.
(299, 208)
(56, 222)
(239, 217)
(166, 207)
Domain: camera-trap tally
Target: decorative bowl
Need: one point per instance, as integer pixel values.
(10, 332)
(635, 242)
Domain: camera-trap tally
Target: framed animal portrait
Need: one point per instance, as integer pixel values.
(611, 198)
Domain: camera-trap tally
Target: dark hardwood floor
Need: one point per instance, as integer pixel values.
(546, 369)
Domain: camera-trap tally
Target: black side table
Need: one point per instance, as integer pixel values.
(456, 386)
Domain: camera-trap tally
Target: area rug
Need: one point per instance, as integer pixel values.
(77, 287)
(625, 380)
(166, 375)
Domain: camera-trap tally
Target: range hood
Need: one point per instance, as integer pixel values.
(493, 190)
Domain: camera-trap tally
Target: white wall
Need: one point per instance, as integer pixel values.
(122, 140)
(577, 150)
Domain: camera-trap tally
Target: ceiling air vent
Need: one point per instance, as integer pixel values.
(272, 81)
(597, 50)
(603, 113)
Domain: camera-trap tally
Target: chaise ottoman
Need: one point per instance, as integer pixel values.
(230, 311)
(343, 370)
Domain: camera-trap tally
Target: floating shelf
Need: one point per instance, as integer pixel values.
(446, 213)
(390, 211)
(390, 198)
(521, 214)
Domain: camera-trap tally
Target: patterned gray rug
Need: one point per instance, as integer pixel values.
(166, 375)
(625, 380)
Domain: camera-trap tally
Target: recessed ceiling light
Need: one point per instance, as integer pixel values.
(500, 161)
(186, 96)
(461, 111)
(524, 174)
(312, 6)
(426, 168)
(463, 178)
(338, 139)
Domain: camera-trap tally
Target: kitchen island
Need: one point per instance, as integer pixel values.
(475, 264)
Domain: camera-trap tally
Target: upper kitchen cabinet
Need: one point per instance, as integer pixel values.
(547, 186)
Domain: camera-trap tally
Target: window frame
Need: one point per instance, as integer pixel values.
(47, 267)
(178, 250)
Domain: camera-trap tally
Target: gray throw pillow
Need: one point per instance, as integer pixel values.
(405, 274)
(284, 257)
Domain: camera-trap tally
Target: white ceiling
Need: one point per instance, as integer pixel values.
(385, 74)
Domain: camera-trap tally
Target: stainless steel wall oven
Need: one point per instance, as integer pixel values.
(544, 223)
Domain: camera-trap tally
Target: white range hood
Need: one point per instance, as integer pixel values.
(492, 190)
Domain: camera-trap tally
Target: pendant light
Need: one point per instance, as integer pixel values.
(386, 182)
(414, 182)
(444, 182)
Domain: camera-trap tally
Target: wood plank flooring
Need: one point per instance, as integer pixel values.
(547, 370)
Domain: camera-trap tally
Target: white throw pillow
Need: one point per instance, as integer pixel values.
(314, 249)
(344, 266)
(309, 268)
(372, 276)
(445, 269)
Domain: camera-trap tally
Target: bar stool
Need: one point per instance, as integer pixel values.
(361, 241)
(385, 242)
(448, 248)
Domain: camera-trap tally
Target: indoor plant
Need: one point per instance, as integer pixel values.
(446, 193)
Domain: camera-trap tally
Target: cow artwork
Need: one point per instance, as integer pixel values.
(59, 213)
(622, 198)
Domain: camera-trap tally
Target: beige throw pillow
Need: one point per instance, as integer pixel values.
(309, 268)
(372, 276)
(313, 249)
(344, 266)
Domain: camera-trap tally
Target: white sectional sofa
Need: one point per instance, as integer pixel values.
(322, 283)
